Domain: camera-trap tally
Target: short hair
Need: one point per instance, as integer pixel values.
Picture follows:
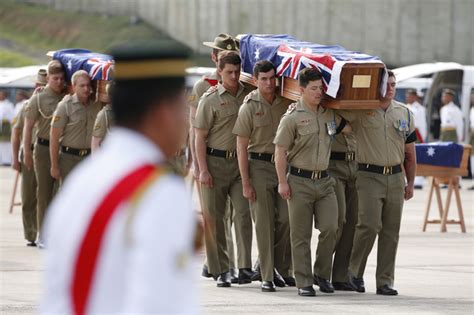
(132, 100)
(79, 74)
(391, 74)
(307, 75)
(263, 66)
(228, 57)
(55, 67)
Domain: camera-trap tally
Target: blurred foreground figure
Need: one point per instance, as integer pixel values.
(121, 231)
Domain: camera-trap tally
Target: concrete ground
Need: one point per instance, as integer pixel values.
(434, 274)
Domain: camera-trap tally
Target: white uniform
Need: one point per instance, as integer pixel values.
(7, 113)
(419, 114)
(451, 117)
(144, 262)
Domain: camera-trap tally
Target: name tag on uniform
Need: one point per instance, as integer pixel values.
(331, 127)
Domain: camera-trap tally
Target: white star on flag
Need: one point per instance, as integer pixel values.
(69, 65)
(257, 54)
(430, 151)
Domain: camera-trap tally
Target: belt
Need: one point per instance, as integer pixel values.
(308, 174)
(77, 152)
(448, 129)
(42, 141)
(262, 157)
(384, 170)
(180, 152)
(222, 153)
(343, 156)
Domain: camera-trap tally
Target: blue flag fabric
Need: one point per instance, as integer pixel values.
(290, 55)
(99, 66)
(446, 154)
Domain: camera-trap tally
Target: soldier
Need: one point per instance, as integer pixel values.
(222, 42)
(103, 122)
(385, 139)
(421, 129)
(123, 254)
(303, 141)
(452, 122)
(28, 179)
(343, 168)
(255, 128)
(219, 171)
(39, 113)
(71, 128)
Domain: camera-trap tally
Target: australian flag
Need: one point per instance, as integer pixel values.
(99, 66)
(290, 56)
(446, 154)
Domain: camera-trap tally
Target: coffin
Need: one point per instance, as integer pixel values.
(352, 80)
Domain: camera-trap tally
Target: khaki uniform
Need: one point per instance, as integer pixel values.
(77, 122)
(200, 87)
(40, 108)
(28, 187)
(258, 121)
(345, 174)
(103, 122)
(217, 113)
(381, 137)
(306, 136)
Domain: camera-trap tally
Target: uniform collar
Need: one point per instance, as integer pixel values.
(259, 97)
(221, 89)
(49, 91)
(450, 104)
(124, 141)
(75, 100)
(301, 106)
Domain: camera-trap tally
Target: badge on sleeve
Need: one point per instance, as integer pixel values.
(331, 127)
(402, 125)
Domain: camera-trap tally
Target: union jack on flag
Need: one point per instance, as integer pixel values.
(99, 66)
(290, 56)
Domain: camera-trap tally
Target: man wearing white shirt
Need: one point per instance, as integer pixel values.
(419, 117)
(471, 140)
(452, 121)
(7, 113)
(121, 231)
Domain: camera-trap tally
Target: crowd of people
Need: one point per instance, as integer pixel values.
(264, 165)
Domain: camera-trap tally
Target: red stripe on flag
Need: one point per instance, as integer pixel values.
(90, 247)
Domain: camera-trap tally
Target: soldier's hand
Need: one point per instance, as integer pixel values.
(28, 161)
(249, 192)
(55, 173)
(196, 172)
(284, 191)
(16, 166)
(206, 179)
(409, 189)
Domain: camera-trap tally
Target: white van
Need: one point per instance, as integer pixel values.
(443, 75)
(13, 79)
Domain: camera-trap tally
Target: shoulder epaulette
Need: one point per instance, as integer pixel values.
(210, 91)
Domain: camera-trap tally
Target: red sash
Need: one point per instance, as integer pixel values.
(89, 251)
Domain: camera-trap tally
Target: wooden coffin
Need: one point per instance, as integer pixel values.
(441, 171)
(359, 87)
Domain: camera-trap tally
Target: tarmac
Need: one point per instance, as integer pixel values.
(434, 271)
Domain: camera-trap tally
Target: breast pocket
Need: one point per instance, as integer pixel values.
(307, 129)
(226, 111)
(77, 117)
(262, 121)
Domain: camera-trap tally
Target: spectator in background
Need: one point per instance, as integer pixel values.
(471, 142)
(421, 129)
(7, 113)
(21, 97)
(452, 123)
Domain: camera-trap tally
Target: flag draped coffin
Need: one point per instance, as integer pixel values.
(352, 80)
(442, 159)
(98, 66)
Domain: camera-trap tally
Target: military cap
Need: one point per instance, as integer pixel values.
(41, 77)
(449, 91)
(223, 42)
(412, 91)
(150, 60)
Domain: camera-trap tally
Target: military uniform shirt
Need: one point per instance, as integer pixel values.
(41, 108)
(77, 121)
(103, 122)
(306, 136)
(217, 113)
(344, 142)
(258, 120)
(201, 86)
(381, 135)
